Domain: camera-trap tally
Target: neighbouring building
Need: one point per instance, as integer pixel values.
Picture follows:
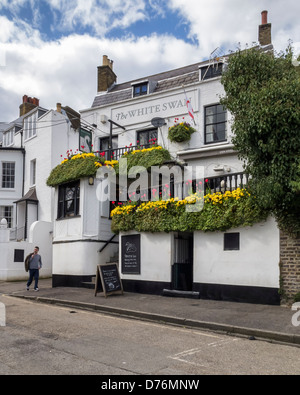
(238, 264)
(32, 145)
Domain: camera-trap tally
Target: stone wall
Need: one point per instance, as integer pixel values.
(290, 267)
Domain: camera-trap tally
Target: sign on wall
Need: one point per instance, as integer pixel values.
(85, 140)
(131, 254)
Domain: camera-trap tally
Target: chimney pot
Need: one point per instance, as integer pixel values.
(105, 60)
(106, 76)
(28, 104)
(264, 17)
(264, 31)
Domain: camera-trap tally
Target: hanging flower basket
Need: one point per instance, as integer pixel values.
(181, 132)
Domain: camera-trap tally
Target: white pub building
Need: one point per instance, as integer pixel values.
(240, 264)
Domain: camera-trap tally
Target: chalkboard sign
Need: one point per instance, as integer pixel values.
(110, 279)
(131, 254)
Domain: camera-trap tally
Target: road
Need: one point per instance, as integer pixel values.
(50, 340)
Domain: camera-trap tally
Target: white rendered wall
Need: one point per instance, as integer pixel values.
(255, 264)
(40, 234)
(156, 257)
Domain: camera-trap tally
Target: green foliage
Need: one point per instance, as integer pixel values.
(145, 158)
(263, 94)
(181, 132)
(72, 170)
(86, 165)
(297, 297)
(172, 216)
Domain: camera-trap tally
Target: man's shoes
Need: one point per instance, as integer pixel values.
(27, 288)
(36, 289)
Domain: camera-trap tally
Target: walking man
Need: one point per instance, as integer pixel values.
(34, 266)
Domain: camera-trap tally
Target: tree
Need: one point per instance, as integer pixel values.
(262, 91)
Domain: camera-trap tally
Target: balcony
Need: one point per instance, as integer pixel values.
(222, 183)
(117, 153)
(225, 183)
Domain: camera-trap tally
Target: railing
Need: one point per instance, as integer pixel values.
(117, 153)
(107, 243)
(17, 233)
(225, 183)
(221, 184)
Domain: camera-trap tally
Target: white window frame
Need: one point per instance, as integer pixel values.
(30, 126)
(9, 217)
(8, 138)
(33, 172)
(2, 175)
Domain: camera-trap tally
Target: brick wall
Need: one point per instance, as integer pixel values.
(290, 267)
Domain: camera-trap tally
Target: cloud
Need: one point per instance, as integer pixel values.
(99, 16)
(65, 70)
(225, 23)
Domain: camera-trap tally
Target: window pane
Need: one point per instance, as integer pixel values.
(6, 212)
(221, 117)
(68, 200)
(215, 123)
(210, 119)
(8, 175)
(141, 89)
(147, 137)
(211, 110)
(220, 109)
(153, 135)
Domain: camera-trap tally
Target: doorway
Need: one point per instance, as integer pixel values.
(182, 268)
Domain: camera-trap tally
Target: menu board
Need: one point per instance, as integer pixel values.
(131, 254)
(110, 279)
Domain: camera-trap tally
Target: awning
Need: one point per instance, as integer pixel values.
(29, 197)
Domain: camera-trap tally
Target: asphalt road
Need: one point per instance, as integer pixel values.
(49, 340)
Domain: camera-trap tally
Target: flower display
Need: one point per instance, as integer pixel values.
(180, 131)
(218, 212)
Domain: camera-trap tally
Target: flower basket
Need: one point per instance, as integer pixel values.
(181, 132)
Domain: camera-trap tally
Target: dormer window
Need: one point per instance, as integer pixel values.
(140, 89)
(211, 71)
(30, 126)
(8, 138)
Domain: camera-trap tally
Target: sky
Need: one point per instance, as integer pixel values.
(50, 49)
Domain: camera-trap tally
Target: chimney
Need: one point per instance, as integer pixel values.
(106, 76)
(28, 104)
(58, 107)
(264, 34)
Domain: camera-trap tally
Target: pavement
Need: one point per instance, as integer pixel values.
(257, 322)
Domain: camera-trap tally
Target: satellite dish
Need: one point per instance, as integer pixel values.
(158, 122)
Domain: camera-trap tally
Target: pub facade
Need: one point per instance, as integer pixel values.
(131, 119)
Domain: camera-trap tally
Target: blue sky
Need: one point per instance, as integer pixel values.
(50, 49)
